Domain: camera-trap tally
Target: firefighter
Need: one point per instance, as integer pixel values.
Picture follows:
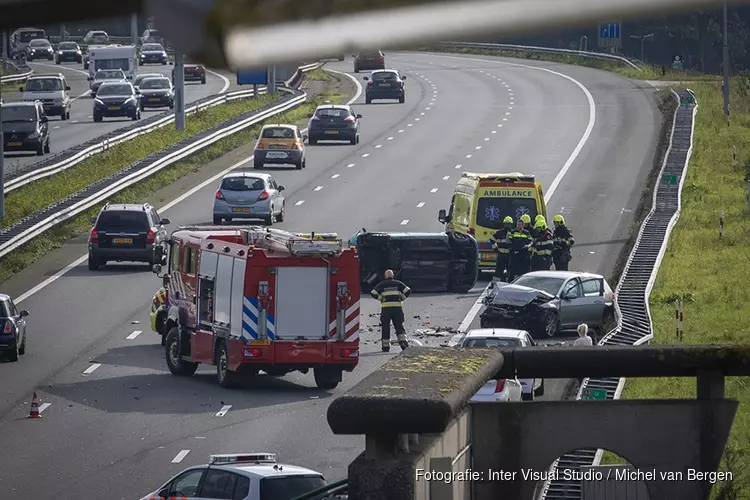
(501, 245)
(541, 258)
(563, 241)
(391, 293)
(520, 247)
(533, 230)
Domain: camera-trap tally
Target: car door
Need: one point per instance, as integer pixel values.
(44, 122)
(276, 195)
(186, 485)
(161, 231)
(571, 314)
(218, 485)
(20, 322)
(592, 302)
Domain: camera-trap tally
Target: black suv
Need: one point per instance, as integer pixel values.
(25, 127)
(385, 84)
(125, 233)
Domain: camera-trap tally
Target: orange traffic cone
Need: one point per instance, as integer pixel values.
(34, 413)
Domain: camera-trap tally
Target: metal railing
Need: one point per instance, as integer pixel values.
(21, 74)
(35, 224)
(547, 50)
(634, 288)
(75, 155)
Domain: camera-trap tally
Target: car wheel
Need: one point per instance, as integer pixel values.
(176, 365)
(93, 263)
(269, 220)
(22, 349)
(58, 62)
(368, 100)
(299, 165)
(280, 217)
(550, 324)
(46, 146)
(67, 114)
(40, 149)
(13, 355)
(226, 377)
(97, 117)
(217, 221)
(402, 99)
(327, 377)
(356, 70)
(527, 396)
(203, 81)
(258, 164)
(311, 140)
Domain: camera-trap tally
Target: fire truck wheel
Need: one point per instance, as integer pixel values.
(327, 377)
(176, 365)
(227, 378)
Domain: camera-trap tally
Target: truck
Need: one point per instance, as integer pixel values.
(249, 298)
(122, 57)
(20, 39)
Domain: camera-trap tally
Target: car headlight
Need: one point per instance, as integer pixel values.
(98, 102)
(34, 135)
(130, 101)
(59, 52)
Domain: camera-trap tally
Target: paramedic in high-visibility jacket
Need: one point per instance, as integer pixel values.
(391, 293)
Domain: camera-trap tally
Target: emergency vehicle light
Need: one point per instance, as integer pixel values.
(258, 458)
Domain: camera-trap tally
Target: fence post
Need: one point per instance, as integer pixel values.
(721, 224)
(682, 320)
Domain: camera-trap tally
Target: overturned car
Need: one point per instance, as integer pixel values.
(547, 302)
(426, 262)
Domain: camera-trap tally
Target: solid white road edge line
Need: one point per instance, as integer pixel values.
(180, 456)
(91, 369)
(469, 318)
(223, 411)
(133, 335)
(226, 81)
(62, 272)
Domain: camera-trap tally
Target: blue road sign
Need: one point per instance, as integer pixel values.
(609, 31)
(257, 76)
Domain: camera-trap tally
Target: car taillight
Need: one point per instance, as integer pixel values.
(500, 385)
(369, 82)
(8, 327)
(260, 145)
(263, 196)
(349, 119)
(471, 231)
(151, 237)
(219, 195)
(614, 296)
(399, 82)
(251, 352)
(94, 236)
(349, 353)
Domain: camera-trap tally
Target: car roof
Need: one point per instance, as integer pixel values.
(112, 84)
(150, 75)
(280, 125)
(564, 274)
(384, 71)
(40, 77)
(4, 297)
(20, 104)
(503, 333)
(259, 175)
(39, 39)
(268, 470)
(334, 106)
(129, 207)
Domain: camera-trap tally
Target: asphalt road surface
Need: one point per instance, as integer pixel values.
(81, 127)
(116, 421)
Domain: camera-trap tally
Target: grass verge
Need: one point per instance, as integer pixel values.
(706, 271)
(56, 237)
(33, 197)
(318, 75)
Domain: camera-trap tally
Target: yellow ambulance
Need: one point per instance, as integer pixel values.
(480, 202)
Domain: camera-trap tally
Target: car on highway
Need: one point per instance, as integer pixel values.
(548, 302)
(142, 76)
(13, 333)
(369, 61)
(96, 37)
(249, 195)
(68, 52)
(105, 75)
(39, 49)
(241, 476)
(52, 91)
(152, 36)
(334, 122)
(25, 127)
(156, 93)
(428, 262)
(152, 53)
(117, 99)
(506, 338)
(125, 233)
(494, 390)
(385, 84)
(193, 73)
(20, 39)
(280, 144)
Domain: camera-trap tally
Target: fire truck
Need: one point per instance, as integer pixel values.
(247, 299)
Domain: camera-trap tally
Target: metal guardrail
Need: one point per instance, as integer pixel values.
(21, 74)
(77, 154)
(634, 288)
(33, 225)
(548, 50)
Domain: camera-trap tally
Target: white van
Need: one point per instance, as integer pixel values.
(52, 91)
(122, 57)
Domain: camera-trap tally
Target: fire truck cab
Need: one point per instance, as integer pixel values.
(247, 299)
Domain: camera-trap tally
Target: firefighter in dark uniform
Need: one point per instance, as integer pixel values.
(520, 250)
(534, 230)
(541, 258)
(501, 245)
(563, 241)
(391, 293)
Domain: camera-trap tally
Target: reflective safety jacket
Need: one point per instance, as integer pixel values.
(159, 299)
(519, 241)
(501, 241)
(563, 238)
(543, 244)
(390, 293)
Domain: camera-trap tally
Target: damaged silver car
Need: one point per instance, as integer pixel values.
(548, 302)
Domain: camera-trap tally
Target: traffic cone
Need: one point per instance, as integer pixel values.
(34, 413)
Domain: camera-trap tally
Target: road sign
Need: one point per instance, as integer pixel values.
(257, 76)
(593, 394)
(670, 179)
(610, 35)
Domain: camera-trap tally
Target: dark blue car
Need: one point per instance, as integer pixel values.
(13, 333)
(117, 99)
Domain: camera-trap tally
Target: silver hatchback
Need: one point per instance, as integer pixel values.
(249, 195)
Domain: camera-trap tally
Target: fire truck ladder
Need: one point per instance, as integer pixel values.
(295, 244)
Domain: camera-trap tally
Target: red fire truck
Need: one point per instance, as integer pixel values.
(247, 299)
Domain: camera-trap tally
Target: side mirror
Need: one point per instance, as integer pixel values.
(365, 78)
(359, 116)
(44, 119)
(281, 188)
(23, 313)
(304, 137)
(138, 91)
(310, 115)
(92, 220)
(158, 252)
(67, 87)
(156, 268)
(165, 221)
(565, 296)
(442, 217)
(163, 493)
(89, 78)
(403, 77)
(171, 63)
(20, 89)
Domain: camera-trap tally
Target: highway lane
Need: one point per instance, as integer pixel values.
(147, 417)
(81, 127)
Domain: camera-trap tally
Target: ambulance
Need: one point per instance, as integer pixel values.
(246, 299)
(480, 202)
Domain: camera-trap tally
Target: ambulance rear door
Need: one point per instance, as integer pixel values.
(301, 309)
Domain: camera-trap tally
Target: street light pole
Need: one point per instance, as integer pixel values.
(726, 64)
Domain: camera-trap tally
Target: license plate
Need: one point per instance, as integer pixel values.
(114, 108)
(279, 146)
(385, 84)
(259, 342)
(154, 99)
(332, 131)
(487, 256)
(122, 241)
(15, 144)
(276, 154)
(242, 210)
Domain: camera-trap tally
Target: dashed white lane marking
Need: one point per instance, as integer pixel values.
(434, 190)
(507, 113)
(180, 456)
(91, 369)
(378, 146)
(365, 155)
(389, 139)
(427, 108)
(223, 411)
(478, 147)
(318, 188)
(420, 204)
(505, 119)
(468, 156)
(404, 222)
(335, 176)
(300, 202)
(417, 119)
(445, 178)
(44, 406)
(510, 107)
(350, 165)
(494, 131)
(421, 114)
(409, 125)
(133, 335)
(90, 116)
(76, 121)
(499, 124)
(401, 131)
(459, 166)
(56, 126)
(486, 138)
